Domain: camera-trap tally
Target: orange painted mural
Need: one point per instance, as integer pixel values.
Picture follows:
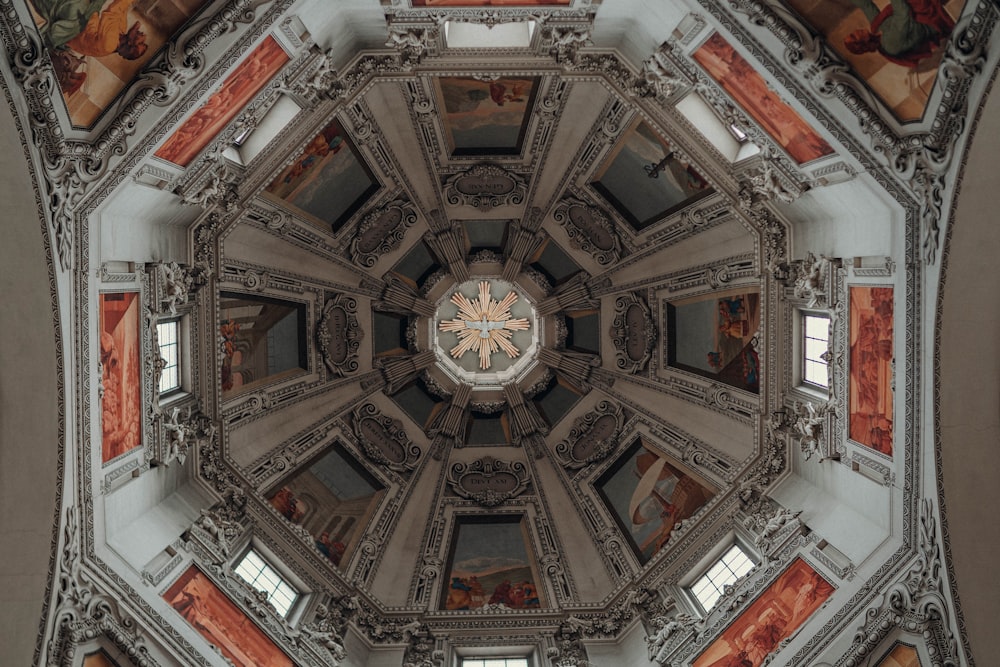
(121, 405)
(98, 47)
(774, 616)
(870, 400)
(488, 3)
(901, 655)
(739, 78)
(222, 623)
(249, 77)
(895, 46)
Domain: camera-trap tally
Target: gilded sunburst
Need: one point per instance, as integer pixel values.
(484, 325)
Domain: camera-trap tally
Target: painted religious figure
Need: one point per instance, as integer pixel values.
(486, 117)
(901, 655)
(895, 46)
(713, 336)
(249, 77)
(489, 565)
(222, 624)
(779, 611)
(262, 339)
(870, 399)
(749, 89)
(648, 495)
(98, 46)
(328, 182)
(646, 181)
(332, 498)
(121, 377)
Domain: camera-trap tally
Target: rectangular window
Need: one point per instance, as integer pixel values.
(734, 564)
(815, 350)
(167, 335)
(255, 571)
(494, 662)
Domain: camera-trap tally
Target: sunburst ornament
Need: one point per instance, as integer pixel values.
(484, 325)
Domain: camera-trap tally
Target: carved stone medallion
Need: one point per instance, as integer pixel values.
(383, 439)
(381, 231)
(593, 436)
(589, 229)
(633, 333)
(485, 186)
(488, 481)
(339, 335)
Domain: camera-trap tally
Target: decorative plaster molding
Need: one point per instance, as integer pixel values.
(338, 335)
(488, 481)
(592, 437)
(383, 439)
(485, 186)
(633, 333)
(588, 229)
(381, 231)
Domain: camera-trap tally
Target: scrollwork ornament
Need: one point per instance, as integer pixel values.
(633, 333)
(381, 231)
(383, 439)
(338, 335)
(593, 436)
(488, 481)
(485, 186)
(589, 229)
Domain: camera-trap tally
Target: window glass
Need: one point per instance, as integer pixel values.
(734, 564)
(168, 339)
(815, 343)
(494, 662)
(256, 572)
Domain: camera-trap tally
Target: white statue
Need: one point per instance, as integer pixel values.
(176, 285)
(809, 281)
(781, 518)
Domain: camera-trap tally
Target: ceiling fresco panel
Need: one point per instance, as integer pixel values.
(486, 117)
(645, 181)
(895, 47)
(328, 182)
(711, 336)
(489, 3)
(739, 78)
(249, 77)
(222, 624)
(333, 499)
(648, 494)
(871, 396)
(779, 611)
(121, 376)
(97, 49)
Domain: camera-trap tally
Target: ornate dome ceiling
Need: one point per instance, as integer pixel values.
(491, 335)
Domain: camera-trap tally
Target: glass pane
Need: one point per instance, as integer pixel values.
(814, 348)
(817, 327)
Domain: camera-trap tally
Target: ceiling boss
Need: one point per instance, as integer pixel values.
(484, 325)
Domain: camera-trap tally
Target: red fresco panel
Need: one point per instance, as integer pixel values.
(870, 399)
(121, 375)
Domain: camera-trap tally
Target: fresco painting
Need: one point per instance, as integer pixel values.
(870, 398)
(486, 117)
(99, 659)
(645, 181)
(712, 336)
(262, 339)
(490, 564)
(98, 47)
(223, 624)
(328, 181)
(648, 495)
(331, 498)
(901, 655)
(488, 3)
(249, 77)
(894, 46)
(779, 611)
(749, 89)
(121, 376)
